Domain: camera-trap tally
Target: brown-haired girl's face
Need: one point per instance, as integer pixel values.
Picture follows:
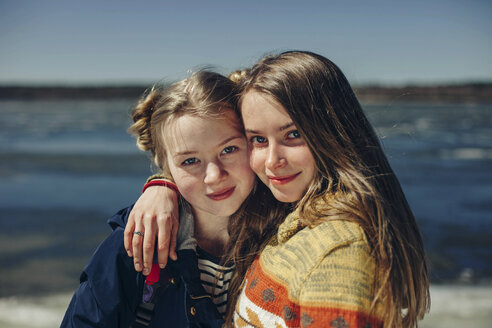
(208, 159)
(278, 153)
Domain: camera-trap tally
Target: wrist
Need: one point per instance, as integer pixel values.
(163, 183)
(160, 176)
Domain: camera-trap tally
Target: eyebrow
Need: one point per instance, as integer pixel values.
(231, 138)
(282, 128)
(189, 152)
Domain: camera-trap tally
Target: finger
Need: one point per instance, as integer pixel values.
(174, 236)
(128, 234)
(137, 247)
(148, 244)
(163, 240)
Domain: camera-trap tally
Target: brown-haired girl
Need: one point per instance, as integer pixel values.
(350, 253)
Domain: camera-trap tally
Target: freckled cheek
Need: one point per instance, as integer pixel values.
(245, 175)
(257, 164)
(240, 167)
(255, 160)
(189, 187)
(306, 160)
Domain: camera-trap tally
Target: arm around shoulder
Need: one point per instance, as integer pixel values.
(155, 214)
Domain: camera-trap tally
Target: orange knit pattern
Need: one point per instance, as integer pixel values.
(273, 299)
(319, 277)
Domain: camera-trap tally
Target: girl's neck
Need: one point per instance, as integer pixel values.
(211, 232)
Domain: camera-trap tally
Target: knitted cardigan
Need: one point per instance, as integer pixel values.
(311, 277)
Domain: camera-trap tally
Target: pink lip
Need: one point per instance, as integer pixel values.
(222, 194)
(283, 179)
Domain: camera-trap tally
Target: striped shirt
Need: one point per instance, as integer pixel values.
(215, 278)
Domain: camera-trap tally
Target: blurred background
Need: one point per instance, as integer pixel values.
(70, 72)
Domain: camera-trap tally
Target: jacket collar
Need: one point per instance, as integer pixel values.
(185, 270)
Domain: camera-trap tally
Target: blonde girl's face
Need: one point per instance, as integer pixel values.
(278, 153)
(208, 159)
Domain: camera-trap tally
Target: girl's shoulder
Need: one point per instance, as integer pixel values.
(331, 253)
(297, 255)
(326, 234)
(330, 235)
(336, 233)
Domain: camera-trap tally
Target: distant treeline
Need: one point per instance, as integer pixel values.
(455, 93)
(59, 92)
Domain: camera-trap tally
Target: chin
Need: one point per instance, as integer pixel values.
(284, 198)
(228, 211)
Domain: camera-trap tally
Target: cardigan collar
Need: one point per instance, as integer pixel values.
(291, 225)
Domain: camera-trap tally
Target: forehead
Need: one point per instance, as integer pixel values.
(262, 110)
(196, 132)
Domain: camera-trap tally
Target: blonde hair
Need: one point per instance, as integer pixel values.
(354, 180)
(204, 94)
(238, 75)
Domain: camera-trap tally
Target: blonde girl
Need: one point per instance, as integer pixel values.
(195, 137)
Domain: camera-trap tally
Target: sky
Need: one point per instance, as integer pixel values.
(102, 42)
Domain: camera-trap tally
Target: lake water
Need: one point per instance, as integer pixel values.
(65, 166)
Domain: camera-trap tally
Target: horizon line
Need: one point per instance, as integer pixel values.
(141, 83)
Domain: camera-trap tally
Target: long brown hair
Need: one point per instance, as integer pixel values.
(354, 180)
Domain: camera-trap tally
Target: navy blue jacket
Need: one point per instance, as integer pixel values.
(110, 289)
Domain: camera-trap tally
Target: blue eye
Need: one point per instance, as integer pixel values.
(230, 149)
(190, 161)
(258, 140)
(294, 135)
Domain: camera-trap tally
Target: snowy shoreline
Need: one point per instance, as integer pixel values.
(451, 306)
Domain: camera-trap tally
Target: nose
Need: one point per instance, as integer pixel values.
(214, 173)
(275, 158)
